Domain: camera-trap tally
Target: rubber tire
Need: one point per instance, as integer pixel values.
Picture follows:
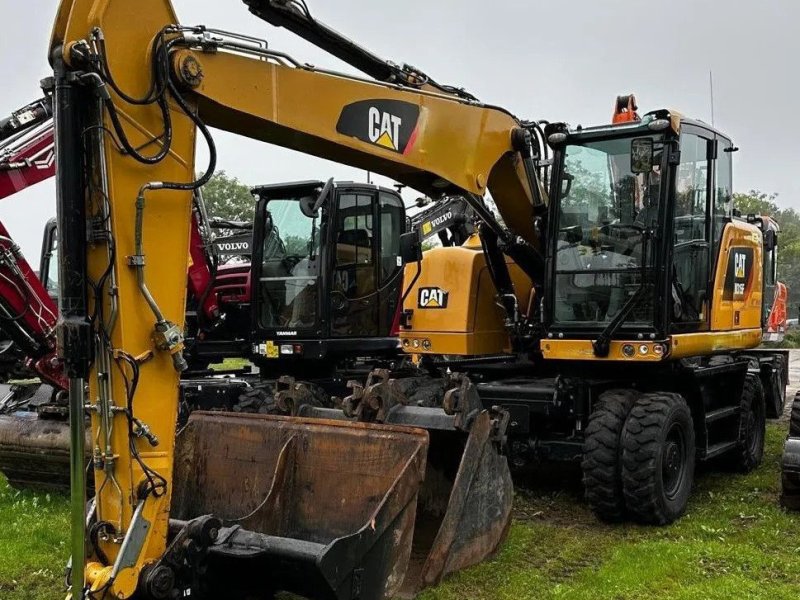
(602, 454)
(778, 402)
(794, 419)
(748, 455)
(643, 439)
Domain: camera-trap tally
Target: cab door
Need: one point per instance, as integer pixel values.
(692, 234)
(366, 270)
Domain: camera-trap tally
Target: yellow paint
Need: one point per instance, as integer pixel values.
(676, 346)
(386, 141)
(723, 312)
(455, 141)
(472, 322)
(582, 350)
(712, 342)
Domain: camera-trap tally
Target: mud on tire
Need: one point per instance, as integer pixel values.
(602, 454)
(658, 458)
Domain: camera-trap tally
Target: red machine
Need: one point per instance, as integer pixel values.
(28, 314)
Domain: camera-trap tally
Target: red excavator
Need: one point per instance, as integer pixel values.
(34, 441)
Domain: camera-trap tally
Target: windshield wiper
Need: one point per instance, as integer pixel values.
(602, 345)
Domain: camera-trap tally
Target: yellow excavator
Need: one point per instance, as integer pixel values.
(640, 355)
(244, 506)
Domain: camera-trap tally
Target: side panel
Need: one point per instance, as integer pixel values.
(453, 304)
(738, 280)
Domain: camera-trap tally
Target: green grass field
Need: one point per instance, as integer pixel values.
(735, 542)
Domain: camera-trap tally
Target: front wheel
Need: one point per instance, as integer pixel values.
(658, 458)
(602, 454)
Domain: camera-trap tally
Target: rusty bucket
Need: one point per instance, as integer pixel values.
(315, 507)
(464, 508)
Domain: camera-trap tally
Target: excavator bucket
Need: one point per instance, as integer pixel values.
(34, 452)
(464, 506)
(314, 507)
(335, 509)
(472, 478)
(790, 474)
(34, 445)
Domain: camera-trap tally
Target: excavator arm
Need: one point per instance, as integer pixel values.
(140, 88)
(29, 315)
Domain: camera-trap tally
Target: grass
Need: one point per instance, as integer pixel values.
(34, 539)
(735, 542)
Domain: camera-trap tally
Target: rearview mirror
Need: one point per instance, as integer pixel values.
(311, 209)
(641, 155)
(410, 247)
(566, 184)
(770, 240)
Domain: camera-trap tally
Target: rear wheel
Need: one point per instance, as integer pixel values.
(658, 458)
(752, 427)
(602, 454)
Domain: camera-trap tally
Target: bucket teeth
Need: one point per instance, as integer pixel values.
(373, 401)
(292, 395)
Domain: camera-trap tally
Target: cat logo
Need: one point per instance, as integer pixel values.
(384, 129)
(432, 297)
(741, 264)
(739, 274)
(390, 124)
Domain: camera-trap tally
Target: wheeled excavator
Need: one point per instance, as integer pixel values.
(644, 358)
(583, 353)
(240, 505)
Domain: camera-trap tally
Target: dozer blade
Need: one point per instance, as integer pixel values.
(790, 474)
(316, 507)
(34, 452)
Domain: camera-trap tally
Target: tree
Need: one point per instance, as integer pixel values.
(228, 198)
(756, 202)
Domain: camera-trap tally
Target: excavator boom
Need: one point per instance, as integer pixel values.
(157, 84)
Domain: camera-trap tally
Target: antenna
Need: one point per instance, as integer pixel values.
(711, 88)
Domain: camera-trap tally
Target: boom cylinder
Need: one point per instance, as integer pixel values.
(73, 326)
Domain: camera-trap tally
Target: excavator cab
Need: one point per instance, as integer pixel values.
(326, 271)
(644, 245)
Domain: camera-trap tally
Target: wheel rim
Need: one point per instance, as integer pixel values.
(673, 464)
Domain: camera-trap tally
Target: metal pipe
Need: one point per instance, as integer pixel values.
(74, 329)
(77, 483)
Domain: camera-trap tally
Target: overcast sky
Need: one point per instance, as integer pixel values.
(563, 61)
